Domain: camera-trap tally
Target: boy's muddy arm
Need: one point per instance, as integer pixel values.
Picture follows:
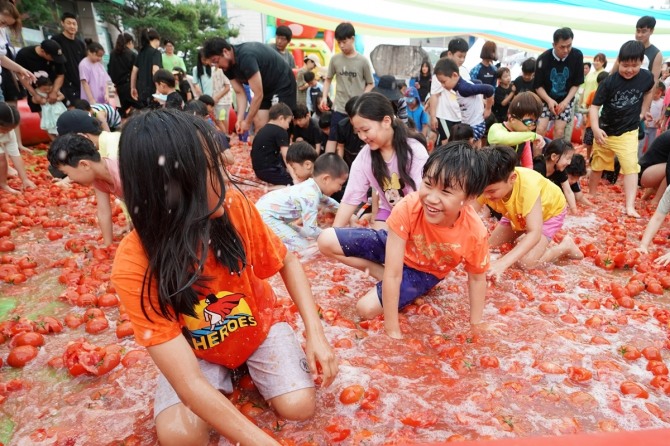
(105, 217)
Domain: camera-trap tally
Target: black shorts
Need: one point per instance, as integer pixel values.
(588, 136)
(275, 175)
(444, 129)
(286, 95)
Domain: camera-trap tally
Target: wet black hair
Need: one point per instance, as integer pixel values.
(67, 15)
(525, 103)
(461, 132)
(284, 31)
(202, 68)
(458, 45)
(9, 116)
(331, 164)
(300, 111)
(215, 47)
(92, 46)
(164, 76)
(501, 161)
(577, 166)
(446, 67)
(564, 33)
(602, 76)
(167, 160)
(344, 30)
(121, 41)
(631, 51)
(69, 149)
(646, 21)
(375, 107)
(197, 108)
(301, 151)
(457, 164)
(349, 106)
(148, 35)
(309, 77)
(324, 120)
(81, 104)
(278, 110)
(556, 147)
(528, 65)
(207, 100)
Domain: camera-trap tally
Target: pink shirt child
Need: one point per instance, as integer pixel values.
(97, 78)
(116, 189)
(361, 179)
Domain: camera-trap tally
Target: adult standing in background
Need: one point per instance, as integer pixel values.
(121, 62)
(283, 36)
(590, 81)
(265, 71)
(170, 59)
(558, 75)
(148, 61)
(48, 57)
(202, 77)
(74, 50)
(653, 58)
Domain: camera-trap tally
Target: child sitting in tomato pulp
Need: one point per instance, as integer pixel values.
(430, 232)
(531, 205)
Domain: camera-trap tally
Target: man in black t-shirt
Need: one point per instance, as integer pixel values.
(74, 50)
(270, 78)
(47, 57)
(558, 74)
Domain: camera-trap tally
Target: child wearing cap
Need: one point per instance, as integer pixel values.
(311, 62)
(416, 112)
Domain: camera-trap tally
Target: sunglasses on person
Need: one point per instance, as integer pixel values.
(528, 122)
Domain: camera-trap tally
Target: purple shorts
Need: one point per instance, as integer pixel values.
(382, 214)
(549, 227)
(370, 244)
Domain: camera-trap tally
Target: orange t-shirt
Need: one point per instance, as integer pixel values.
(235, 312)
(439, 249)
(589, 102)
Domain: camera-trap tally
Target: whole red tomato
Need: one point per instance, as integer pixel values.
(21, 355)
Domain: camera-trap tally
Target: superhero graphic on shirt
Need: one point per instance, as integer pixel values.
(219, 316)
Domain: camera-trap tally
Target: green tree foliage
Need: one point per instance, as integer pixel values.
(188, 25)
(36, 13)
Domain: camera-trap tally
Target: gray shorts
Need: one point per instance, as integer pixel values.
(277, 367)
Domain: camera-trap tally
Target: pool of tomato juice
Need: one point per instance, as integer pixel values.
(550, 359)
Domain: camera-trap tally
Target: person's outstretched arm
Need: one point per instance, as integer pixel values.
(105, 217)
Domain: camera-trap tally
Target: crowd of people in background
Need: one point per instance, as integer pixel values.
(410, 167)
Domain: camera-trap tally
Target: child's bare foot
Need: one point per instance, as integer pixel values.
(632, 213)
(571, 248)
(11, 172)
(6, 188)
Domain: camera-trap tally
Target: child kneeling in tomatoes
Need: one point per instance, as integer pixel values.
(430, 232)
(531, 205)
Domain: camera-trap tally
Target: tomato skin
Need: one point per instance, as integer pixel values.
(54, 235)
(21, 355)
(251, 410)
(109, 362)
(651, 354)
(7, 246)
(633, 388)
(629, 352)
(352, 394)
(579, 374)
(419, 419)
(73, 321)
(47, 325)
(370, 398)
(489, 362)
(655, 288)
(97, 325)
(337, 433)
(28, 338)
(124, 329)
(133, 356)
(657, 367)
(108, 300)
